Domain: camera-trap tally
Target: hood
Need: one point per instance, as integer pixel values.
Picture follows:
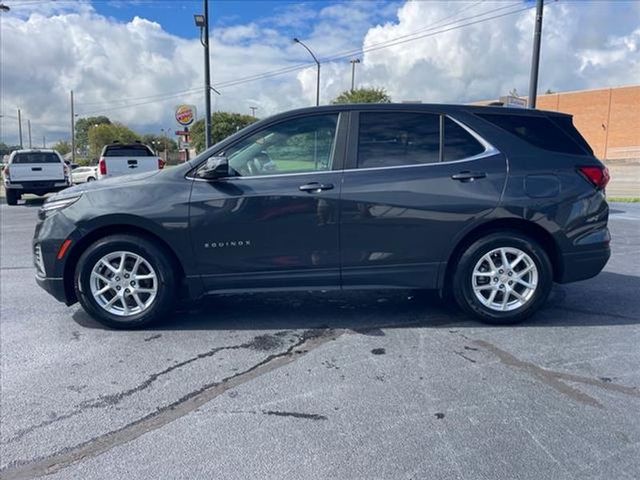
(107, 183)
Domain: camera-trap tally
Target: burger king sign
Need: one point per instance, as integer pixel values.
(185, 114)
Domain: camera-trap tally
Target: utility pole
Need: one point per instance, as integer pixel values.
(207, 78)
(353, 72)
(73, 132)
(44, 141)
(29, 128)
(20, 127)
(535, 59)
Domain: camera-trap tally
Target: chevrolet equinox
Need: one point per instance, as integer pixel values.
(489, 205)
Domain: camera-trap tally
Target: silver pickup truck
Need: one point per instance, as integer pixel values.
(35, 171)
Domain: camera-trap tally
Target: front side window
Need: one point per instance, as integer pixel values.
(298, 145)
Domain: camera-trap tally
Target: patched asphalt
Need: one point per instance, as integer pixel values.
(364, 385)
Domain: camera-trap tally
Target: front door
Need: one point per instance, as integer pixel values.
(273, 222)
(414, 181)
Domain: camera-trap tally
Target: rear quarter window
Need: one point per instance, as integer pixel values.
(538, 131)
(128, 151)
(36, 157)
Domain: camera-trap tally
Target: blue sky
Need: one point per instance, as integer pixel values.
(176, 16)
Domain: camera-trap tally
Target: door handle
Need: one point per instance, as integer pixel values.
(468, 176)
(315, 187)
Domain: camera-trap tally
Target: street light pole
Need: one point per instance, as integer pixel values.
(296, 40)
(353, 72)
(29, 129)
(535, 59)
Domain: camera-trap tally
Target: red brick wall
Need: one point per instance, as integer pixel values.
(609, 119)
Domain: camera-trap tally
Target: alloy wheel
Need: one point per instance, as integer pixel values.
(505, 279)
(123, 283)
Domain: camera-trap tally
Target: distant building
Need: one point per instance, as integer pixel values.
(608, 118)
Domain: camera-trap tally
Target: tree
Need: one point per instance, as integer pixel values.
(159, 142)
(223, 123)
(363, 95)
(6, 149)
(101, 135)
(82, 130)
(62, 147)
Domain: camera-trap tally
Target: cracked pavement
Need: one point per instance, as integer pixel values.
(371, 384)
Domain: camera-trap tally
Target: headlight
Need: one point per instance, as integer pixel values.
(59, 203)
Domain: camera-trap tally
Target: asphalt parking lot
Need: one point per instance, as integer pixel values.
(317, 385)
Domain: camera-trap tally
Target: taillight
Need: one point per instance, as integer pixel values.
(102, 167)
(161, 163)
(598, 176)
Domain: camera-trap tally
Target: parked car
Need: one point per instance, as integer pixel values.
(488, 205)
(84, 174)
(124, 159)
(35, 171)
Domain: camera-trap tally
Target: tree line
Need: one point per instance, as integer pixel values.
(93, 133)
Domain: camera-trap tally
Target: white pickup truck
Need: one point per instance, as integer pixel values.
(123, 159)
(36, 171)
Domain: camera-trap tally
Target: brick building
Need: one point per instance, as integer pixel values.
(608, 118)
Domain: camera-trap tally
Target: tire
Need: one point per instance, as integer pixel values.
(12, 197)
(532, 270)
(91, 179)
(154, 286)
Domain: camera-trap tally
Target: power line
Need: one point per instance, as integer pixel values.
(429, 32)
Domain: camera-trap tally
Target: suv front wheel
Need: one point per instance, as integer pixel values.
(502, 278)
(125, 281)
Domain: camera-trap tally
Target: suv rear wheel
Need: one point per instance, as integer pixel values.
(502, 278)
(124, 281)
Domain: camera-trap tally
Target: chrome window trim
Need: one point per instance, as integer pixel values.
(489, 151)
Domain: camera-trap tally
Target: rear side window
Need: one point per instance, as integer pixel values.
(540, 132)
(128, 151)
(390, 139)
(36, 157)
(458, 143)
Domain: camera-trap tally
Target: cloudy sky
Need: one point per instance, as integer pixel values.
(134, 61)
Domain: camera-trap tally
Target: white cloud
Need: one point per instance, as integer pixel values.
(108, 64)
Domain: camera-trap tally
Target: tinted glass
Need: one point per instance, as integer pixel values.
(566, 124)
(36, 157)
(540, 132)
(390, 139)
(458, 143)
(298, 145)
(128, 151)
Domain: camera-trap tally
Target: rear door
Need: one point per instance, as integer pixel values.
(126, 159)
(414, 181)
(273, 223)
(36, 166)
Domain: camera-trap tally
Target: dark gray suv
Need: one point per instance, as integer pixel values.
(491, 205)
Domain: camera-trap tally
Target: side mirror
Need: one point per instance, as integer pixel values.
(215, 167)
